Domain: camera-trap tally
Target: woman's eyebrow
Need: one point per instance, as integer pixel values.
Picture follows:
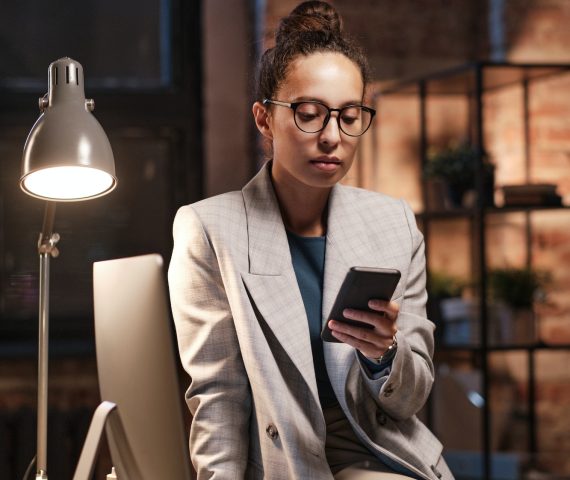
(304, 98)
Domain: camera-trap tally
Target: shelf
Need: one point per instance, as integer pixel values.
(471, 212)
(503, 210)
(446, 214)
(502, 348)
(462, 80)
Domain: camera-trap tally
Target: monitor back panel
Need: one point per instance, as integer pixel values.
(137, 367)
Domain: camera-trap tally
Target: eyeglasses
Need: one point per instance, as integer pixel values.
(313, 116)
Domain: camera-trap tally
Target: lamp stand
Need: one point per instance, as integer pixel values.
(46, 249)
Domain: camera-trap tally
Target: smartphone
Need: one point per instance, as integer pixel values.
(360, 285)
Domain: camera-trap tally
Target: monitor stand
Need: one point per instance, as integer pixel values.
(106, 417)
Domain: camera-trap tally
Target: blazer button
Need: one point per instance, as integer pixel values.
(388, 390)
(271, 431)
(436, 472)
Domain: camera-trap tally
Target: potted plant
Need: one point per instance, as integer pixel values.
(443, 285)
(514, 292)
(455, 167)
(445, 290)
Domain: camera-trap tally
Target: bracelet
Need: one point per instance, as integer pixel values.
(389, 353)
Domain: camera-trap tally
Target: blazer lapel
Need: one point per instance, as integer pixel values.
(343, 251)
(271, 280)
(349, 243)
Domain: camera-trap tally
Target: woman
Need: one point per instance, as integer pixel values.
(253, 272)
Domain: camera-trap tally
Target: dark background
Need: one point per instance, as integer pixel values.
(142, 63)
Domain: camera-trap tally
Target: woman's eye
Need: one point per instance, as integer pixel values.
(350, 116)
(349, 119)
(306, 116)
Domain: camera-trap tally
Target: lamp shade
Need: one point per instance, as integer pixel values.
(67, 155)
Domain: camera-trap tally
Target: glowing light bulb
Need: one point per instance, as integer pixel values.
(68, 183)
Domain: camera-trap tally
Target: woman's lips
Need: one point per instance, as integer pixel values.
(327, 164)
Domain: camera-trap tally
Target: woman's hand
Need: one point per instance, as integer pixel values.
(372, 343)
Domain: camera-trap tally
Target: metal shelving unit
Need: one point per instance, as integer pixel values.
(474, 80)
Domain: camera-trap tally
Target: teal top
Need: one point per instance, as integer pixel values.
(308, 255)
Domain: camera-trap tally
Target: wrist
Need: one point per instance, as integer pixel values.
(388, 354)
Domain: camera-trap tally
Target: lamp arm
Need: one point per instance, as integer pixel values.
(48, 239)
(46, 249)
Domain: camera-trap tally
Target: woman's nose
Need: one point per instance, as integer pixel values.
(330, 135)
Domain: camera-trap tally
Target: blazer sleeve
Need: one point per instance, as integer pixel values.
(219, 395)
(404, 386)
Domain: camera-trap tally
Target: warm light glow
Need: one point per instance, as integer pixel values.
(68, 183)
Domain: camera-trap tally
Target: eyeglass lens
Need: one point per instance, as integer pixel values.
(310, 117)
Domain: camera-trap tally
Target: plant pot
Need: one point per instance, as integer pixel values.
(455, 194)
(467, 197)
(512, 325)
(525, 330)
(460, 321)
(437, 192)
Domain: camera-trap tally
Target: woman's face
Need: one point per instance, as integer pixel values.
(314, 159)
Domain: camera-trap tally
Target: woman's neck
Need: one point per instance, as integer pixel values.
(303, 208)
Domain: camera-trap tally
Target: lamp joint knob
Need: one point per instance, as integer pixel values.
(43, 103)
(47, 244)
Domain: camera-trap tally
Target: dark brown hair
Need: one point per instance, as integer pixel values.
(311, 27)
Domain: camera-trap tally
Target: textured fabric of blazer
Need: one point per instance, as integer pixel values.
(243, 337)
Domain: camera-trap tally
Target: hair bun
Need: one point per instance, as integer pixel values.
(312, 27)
(313, 17)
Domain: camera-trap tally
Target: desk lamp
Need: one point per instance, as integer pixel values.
(67, 157)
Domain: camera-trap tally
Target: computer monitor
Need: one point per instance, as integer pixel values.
(137, 368)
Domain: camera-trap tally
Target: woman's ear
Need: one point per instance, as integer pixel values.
(262, 119)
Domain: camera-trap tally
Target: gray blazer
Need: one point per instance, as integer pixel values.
(243, 337)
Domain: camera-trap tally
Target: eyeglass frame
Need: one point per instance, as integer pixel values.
(294, 105)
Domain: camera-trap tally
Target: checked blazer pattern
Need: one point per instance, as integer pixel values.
(243, 337)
